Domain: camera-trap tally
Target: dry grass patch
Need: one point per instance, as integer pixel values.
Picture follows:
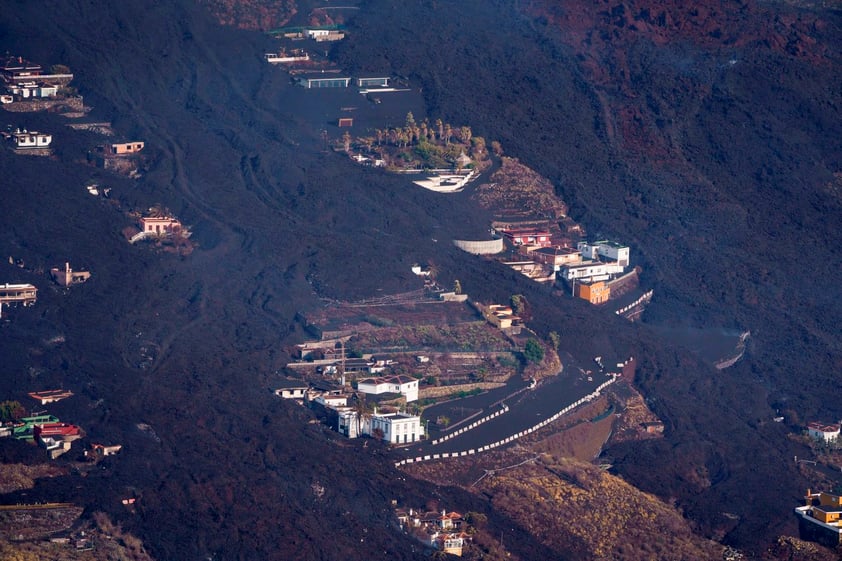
(584, 513)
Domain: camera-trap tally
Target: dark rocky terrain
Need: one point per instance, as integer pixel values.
(722, 176)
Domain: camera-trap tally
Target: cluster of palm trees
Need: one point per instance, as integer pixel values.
(413, 133)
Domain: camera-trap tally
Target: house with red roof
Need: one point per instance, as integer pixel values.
(404, 385)
(528, 236)
(823, 432)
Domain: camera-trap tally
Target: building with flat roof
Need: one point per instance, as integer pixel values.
(607, 249)
(819, 520)
(159, 225)
(283, 58)
(348, 422)
(499, 315)
(31, 90)
(323, 81)
(121, 148)
(589, 270)
(15, 68)
(25, 294)
(24, 139)
(396, 428)
(594, 292)
(69, 277)
(373, 82)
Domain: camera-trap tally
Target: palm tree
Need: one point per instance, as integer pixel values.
(440, 128)
(363, 411)
(433, 271)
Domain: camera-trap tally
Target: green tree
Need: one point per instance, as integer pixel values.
(497, 148)
(410, 120)
(457, 287)
(533, 351)
(475, 518)
(11, 411)
(555, 339)
(478, 147)
(346, 141)
(518, 303)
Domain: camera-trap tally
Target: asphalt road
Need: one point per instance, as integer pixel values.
(526, 410)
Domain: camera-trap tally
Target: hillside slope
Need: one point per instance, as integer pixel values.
(173, 357)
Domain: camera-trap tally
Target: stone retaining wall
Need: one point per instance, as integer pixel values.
(30, 106)
(441, 391)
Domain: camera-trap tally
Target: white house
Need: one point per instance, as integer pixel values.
(347, 423)
(291, 389)
(591, 270)
(316, 33)
(604, 248)
(332, 400)
(397, 428)
(31, 139)
(32, 90)
(822, 432)
(404, 385)
(45, 91)
(159, 224)
(373, 82)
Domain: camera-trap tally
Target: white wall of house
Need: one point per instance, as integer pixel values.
(398, 428)
(409, 390)
(610, 250)
(291, 393)
(376, 386)
(824, 436)
(332, 400)
(617, 252)
(590, 270)
(32, 140)
(373, 386)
